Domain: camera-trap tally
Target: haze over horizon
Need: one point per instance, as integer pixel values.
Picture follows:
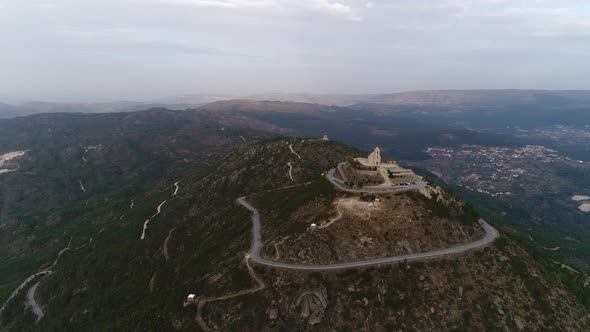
(147, 49)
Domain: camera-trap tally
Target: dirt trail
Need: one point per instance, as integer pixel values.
(333, 220)
(204, 301)
(159, 208)
(359, 209)
(290, 171)
(293, 151)
(278, 253)
(81, 186)
(145, 226)
(86, 151)
(146, 223)
(88, 148)
(152, 282)
(165, 246)
(290, 186)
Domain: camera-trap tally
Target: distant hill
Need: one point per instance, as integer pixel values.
(484, 109)
(38, 107)
(9, 111)
(455, 99)
(480, 98)
(490, 98)
(323, 99)
(245, 105)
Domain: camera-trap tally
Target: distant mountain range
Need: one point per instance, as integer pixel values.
(482, 97)
(456, 99)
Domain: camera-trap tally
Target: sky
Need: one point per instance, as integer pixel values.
(148, 49)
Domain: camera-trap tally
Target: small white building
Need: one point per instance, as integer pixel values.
(191, 298)
(325, 138)
(314, 225)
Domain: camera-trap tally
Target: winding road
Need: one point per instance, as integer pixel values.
(254, 254)
(29, 279)
(204, 300)
(372, 189)
(293, 151)
(31, 300)
(147, 222)
(21, 286)
(333, 220)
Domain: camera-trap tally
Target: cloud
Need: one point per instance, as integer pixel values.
(332, 8)
(223, 4)
(124, 46)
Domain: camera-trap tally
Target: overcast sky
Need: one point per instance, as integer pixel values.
(143, 49)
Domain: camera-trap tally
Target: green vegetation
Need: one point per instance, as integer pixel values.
(449, 206)
(112, 280)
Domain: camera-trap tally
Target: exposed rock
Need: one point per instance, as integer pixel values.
(366, 241)
(519, 323)
(278, 281)
(214, 278)
(177, 324)
(301, 253)
(274, 311)
(498, 304)
(313, 304)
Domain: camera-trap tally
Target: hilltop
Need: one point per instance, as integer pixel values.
(196, 239)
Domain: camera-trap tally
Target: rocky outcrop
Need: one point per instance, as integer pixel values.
(273, 312)
(312, 304)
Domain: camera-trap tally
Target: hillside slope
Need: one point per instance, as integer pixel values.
(76, 156)
(196, 238)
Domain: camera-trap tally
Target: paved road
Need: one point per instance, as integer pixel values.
(21, 286)
(491, 235)
(31, 300)
(341, 171)
(38, 274)
(372, 190)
